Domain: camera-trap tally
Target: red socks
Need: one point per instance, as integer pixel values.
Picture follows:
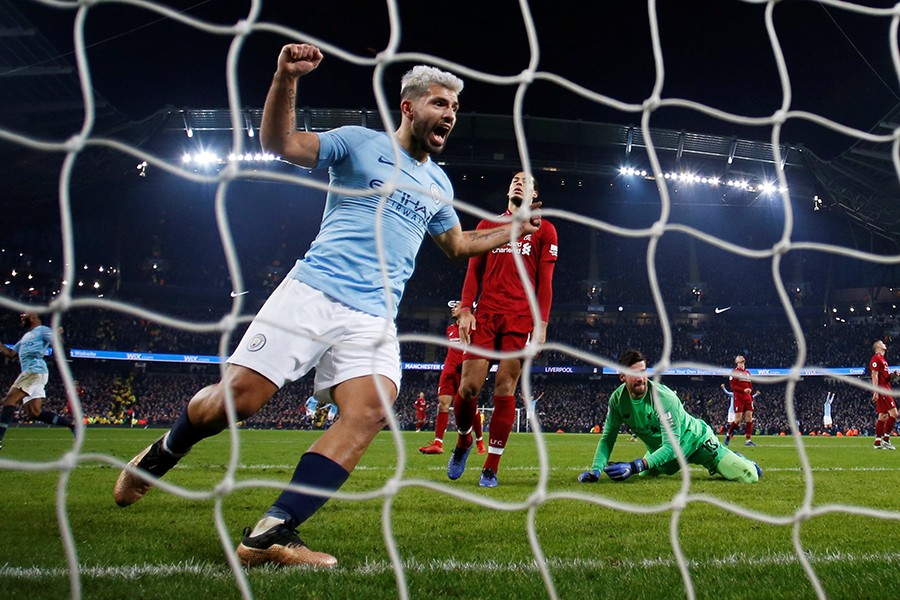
(465, 412)
(501, 425)
(440, 426)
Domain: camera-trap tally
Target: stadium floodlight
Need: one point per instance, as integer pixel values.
(187, 128)
(249, 125)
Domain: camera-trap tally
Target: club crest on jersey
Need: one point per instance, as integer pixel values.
(435, 193)
(256, 342)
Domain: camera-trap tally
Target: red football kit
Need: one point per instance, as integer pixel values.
(504, 320)
(419, 405)
(450, 373)
(742, 389)
(879, 365)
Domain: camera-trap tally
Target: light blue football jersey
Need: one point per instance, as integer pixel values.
(32, 348)
(343, 260)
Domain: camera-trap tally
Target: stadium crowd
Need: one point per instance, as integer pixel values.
(119, 394)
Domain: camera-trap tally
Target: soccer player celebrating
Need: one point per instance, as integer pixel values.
(311, 404)
(885, 405)
(419, 404)
(28, 388)
(742, 389)
(632, 404)
(334, 311)
(448, 384)
(502, 321)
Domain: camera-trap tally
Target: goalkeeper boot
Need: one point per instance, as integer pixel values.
(481, 448)
(758, 469)
(279, 545)
(434, 448)
(131, 486)
(457, 464)
(488, 479)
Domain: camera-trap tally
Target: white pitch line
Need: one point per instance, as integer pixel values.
(220, 570)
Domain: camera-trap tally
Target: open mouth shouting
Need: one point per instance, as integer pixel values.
(439, 135)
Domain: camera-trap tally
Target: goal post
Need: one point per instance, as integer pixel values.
(520, 424)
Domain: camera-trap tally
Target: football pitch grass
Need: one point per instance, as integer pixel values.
(453, 547)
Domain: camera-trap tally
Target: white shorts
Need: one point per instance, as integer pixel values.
(32, 384)
(299, 328)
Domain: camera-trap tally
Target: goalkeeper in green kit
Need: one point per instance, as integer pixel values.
(632, 404)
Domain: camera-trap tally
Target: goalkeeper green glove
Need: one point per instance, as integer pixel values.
(620, 471)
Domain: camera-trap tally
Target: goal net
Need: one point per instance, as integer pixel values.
(520, 424)
(640, 243)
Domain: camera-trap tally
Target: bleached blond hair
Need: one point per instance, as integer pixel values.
(420, 78)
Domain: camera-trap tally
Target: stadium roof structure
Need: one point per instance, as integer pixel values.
(864, 181)
(41, 97)
(574, 147)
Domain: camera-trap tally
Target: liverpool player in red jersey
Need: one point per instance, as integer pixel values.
(743, 400)
(419, 404)
(885, 405)
(447, 387)
(502, 321)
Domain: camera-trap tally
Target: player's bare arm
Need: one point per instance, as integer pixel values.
(7, 352)
(457, 243)
(467, 324)
(278, 128)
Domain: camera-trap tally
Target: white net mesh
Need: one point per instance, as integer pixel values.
(528, 74)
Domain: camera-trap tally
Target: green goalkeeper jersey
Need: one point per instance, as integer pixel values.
(641, 417)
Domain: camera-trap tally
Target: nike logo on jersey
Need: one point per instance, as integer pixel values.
(719, 311)
(236, 294)
(383, 160)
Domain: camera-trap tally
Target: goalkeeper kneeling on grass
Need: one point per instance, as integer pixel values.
(632, 404)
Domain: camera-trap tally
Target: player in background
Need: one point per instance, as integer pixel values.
(419, 404)
(742, 389)
(351, 343)
(632, 404)
(448, 384)
(885, 405)
(530, 408)
(28, 388)
(501, 320)
(826, 415)
(310, 406)
(332, 414)
(730, 417)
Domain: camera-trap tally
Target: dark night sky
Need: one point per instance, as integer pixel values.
(715, 52)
